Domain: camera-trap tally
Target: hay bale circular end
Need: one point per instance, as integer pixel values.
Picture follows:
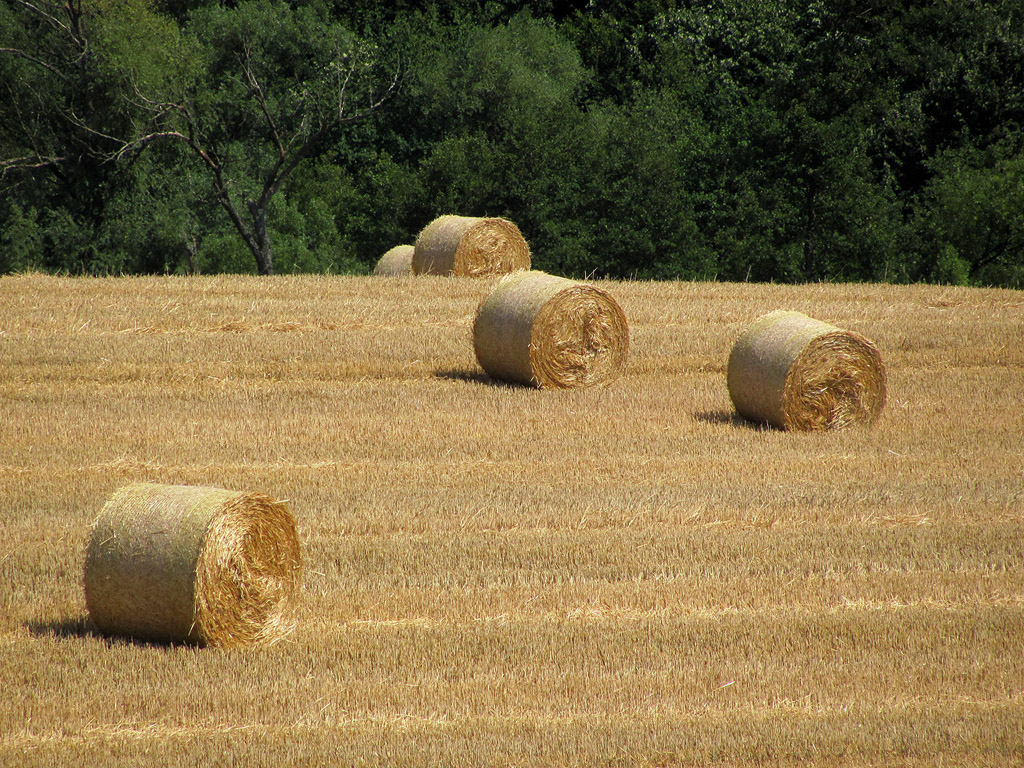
(798, 373)
(396, 261)
(470, 247)
(196, 565)
(548, 331)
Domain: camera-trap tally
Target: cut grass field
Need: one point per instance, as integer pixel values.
(621, 576)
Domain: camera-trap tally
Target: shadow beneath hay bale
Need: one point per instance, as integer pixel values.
(63, 628)
(82, 627)
(733, 419)
(477, 377)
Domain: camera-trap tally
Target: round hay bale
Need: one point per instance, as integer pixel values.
(548, 331)
(397, 261)
(470, 247)
(197, 565)
(794, 372)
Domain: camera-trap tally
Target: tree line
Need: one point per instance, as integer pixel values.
(718, 139)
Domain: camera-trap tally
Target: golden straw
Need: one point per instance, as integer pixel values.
(548, 331)
(470, 247)
(199, 565)
(795, 372)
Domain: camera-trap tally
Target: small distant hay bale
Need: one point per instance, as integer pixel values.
(196, 565)
(535, 328)
(470, 247)
(798, 373)
(397, 261)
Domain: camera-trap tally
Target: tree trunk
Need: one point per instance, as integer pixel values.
(260, 245)
(810, 254)
(192, 254)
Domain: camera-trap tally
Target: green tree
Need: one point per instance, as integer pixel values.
(251, 91)
(786, 186)
(277, 84)
(21, 246)
(766, 141)
(69, 69)
(974, 218)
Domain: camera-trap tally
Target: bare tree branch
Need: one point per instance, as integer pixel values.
(342, 87)
(216, 167)
(389, 92)
(281, 173)
(257, 92)
(27, 163)
(37, 61)
(52, 20)
(79, 123)
(141, 142)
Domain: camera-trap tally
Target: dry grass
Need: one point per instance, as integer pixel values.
(629, 575)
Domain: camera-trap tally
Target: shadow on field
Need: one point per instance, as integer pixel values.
(62, 628)
(82, 627)
(730, 417)
(477, 377)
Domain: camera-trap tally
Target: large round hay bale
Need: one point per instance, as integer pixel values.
(396, 261)
(198, 565)
(548, 331)
(471, 247)
(795, 372)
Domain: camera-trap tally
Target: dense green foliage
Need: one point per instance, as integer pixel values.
(830, 140)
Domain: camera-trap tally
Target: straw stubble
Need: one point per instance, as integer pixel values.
(505, 577)
(197, 565)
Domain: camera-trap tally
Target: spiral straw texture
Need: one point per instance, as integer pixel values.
(197, 565)
(470, 247)
(798, 373)
(548, 331)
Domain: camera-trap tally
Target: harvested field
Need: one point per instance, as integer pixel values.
(629, 575)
